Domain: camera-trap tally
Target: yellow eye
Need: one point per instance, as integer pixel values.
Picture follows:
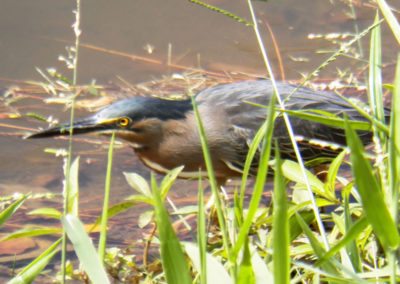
(124, 121)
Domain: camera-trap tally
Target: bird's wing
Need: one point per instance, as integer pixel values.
(238, 101)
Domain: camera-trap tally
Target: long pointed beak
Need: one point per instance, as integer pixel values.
(87, 125)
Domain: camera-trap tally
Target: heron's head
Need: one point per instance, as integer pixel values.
(134, 119)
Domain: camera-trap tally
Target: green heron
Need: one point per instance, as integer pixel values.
(164, 134)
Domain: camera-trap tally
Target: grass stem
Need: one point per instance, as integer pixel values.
(289, 127)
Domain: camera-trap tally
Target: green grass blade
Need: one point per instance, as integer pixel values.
(327, 119)
(375, 74)
(295, 228)
(281, 234)
(214, 186)
(47, 212)
(361, 110)
(70, 194)
(259, 183)
(137, 198)
(73, 192)
(351, 248)
(85, 250)
(394, 162)
(368, 187)
(390, 18)
(172, 256)
(253, 149)
(352, 233)
(107, 190)
(246, 272)
(33, 269)
(317, 247)
(11, 209)
(394, 146)
(286, 117)
(202, 234)
(333, 170)
(32, 232)
(376, 104)
(114, 211)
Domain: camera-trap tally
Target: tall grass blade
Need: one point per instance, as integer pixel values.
(260, 181)
(280, 226)
(73, 192)
(317, 247)
(375, 80)
(202, 234)
(70, 194)
(67, 189)
(33, 269)
(390, 18)
(77, 33)
(287, 121)
(351, 247)
(85, 250)
(394, 144)
(172, 257)
(368, 187)
(376, 104)
(107, 190)
(214, 185)
(253, 149)
(394, 162)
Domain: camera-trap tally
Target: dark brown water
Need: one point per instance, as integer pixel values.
(35, 33)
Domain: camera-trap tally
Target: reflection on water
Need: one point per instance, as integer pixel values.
(198, 37)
